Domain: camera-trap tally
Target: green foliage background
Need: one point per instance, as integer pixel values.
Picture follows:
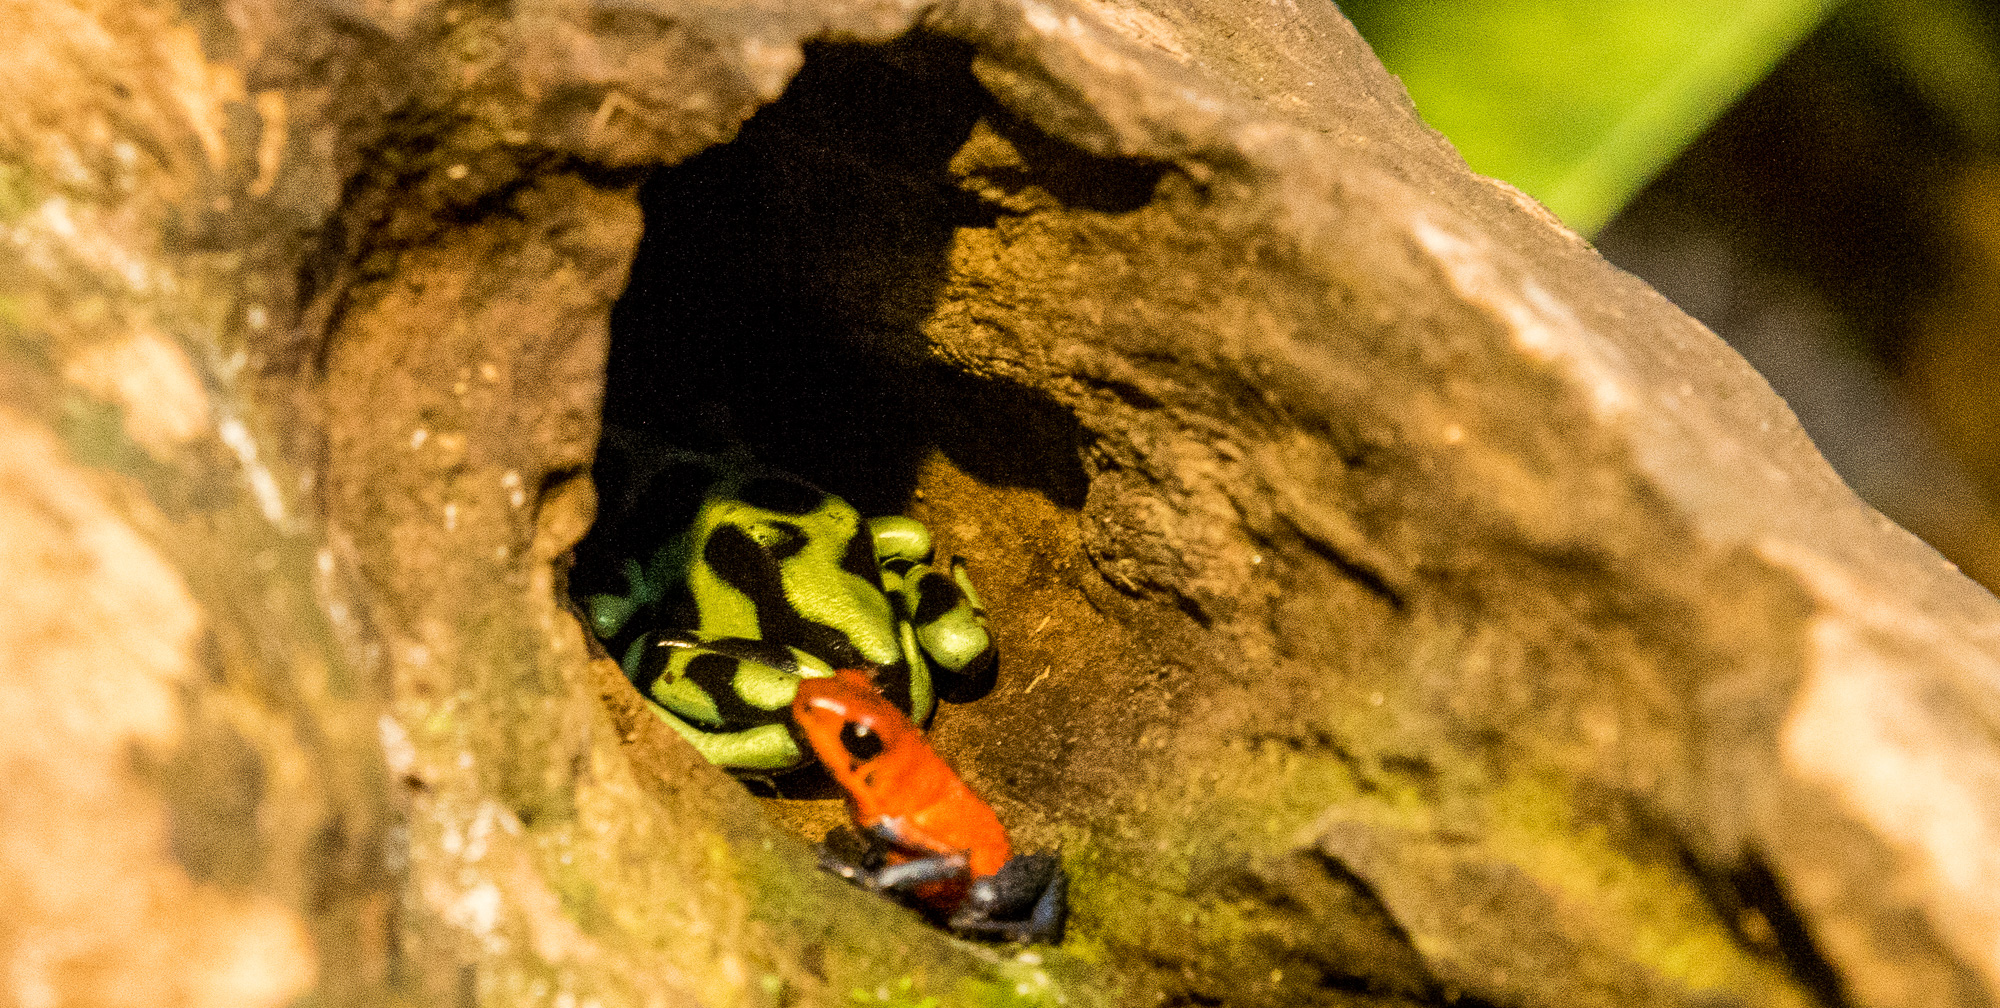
(1817, 180)
(1581, 102)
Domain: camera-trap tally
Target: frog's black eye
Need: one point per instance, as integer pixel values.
(861, 741)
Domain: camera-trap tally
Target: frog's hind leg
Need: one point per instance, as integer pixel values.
(765, 749)
(1027, 900)
(921, 700)
(942, 611)
(950, 627)
(730, 698)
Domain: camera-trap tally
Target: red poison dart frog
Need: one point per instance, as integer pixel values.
(945, 848)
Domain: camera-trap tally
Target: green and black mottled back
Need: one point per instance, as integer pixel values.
(722, 583)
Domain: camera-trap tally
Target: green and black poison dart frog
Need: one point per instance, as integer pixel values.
(723, 583)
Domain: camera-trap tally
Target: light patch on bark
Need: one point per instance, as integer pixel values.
(149, 377)
(496, 892)
(1141, 25)
(1538, 322)
(263, 485)
(1885, 720)
(101, 633)
(60, 233)
(202, 88)
(271, 132)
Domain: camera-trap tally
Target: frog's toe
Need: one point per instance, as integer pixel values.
(609, 613)
(853, 851)
(900, 541)
(838, 856)
(970, 683)
(954, 638)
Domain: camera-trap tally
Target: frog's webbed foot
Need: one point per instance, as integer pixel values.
(1027, 900)
(609, 613)
(951, 629)
(619, 619)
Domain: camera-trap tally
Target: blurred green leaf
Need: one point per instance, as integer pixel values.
(1578, 102)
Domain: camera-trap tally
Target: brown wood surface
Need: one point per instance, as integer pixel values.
(1398, 604)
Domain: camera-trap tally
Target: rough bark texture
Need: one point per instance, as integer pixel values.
(1400, 605)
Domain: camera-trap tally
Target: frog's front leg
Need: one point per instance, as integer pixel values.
(612, 614)
(942, 611)
(610, 611)
(867, 863)
(729, 697)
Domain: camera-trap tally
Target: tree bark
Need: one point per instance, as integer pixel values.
(1398, 604)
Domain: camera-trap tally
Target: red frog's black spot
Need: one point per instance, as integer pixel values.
(860, 741)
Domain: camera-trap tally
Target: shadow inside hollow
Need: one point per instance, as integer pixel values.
(777, 301)
(777, 294)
